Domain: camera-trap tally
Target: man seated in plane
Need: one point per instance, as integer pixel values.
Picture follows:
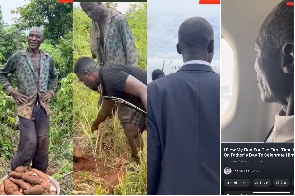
(157, 73)
(275, 69)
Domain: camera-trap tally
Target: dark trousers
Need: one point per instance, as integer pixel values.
(33, 141)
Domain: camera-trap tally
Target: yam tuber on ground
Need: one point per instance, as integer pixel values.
(22, 184)
(48, 186)
(2, 192)
(31, 179)
(15, 175)
(41, 174)
(23, 181)
(16, 193)
(21, 169)
(10, 187)
(35, 190)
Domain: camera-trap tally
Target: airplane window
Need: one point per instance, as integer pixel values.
(226, 76)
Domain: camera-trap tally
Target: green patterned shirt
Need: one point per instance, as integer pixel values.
(119, 46)
(21, 66)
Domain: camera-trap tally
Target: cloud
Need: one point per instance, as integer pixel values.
(164, 19)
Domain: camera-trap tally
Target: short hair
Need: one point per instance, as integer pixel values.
(157, 73)
(85, 64)
(278, 27)
(194, 34)
(38, 29)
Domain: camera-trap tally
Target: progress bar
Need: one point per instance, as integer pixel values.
(209, 2)
(65, 1)
(272, 192)
(258, 193)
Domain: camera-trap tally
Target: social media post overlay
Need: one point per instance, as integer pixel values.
(257, 168)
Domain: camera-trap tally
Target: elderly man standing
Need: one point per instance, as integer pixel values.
(112, 43)
(37, 82)
(275, 69)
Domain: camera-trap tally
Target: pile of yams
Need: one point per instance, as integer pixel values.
(23, 181)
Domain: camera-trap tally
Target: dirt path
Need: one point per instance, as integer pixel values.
(89, 173)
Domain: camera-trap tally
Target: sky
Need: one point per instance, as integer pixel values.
(7, 6)
(164, 19)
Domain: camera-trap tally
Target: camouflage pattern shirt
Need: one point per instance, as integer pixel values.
(20, 64)
(119, 46)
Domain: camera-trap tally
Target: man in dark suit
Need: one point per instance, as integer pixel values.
(183, 125)
(157, 73)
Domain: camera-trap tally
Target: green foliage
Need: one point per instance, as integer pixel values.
(134, 182)
(84, 108)
(47, 14)
(137, 20)
(8, 121)
(11, 40)
(61, 55)
(112, 5)
(62, 107)
(81, 29)
(66, 50)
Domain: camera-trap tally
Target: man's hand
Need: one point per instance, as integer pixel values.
(19, 97)
(103, 114)
(46, 97)
(94, 126)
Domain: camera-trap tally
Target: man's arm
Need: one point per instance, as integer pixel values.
(136, 88)
(106, 109)
(154, 153)
(94, 41)
(92, 53)
(9, 67)
(128, 43)
(53, 78)
(120, 81)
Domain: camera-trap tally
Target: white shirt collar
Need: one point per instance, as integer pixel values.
(196, 62)
(283, 129)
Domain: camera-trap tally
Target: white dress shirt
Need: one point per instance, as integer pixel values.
(196, 62)
(283, 131)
